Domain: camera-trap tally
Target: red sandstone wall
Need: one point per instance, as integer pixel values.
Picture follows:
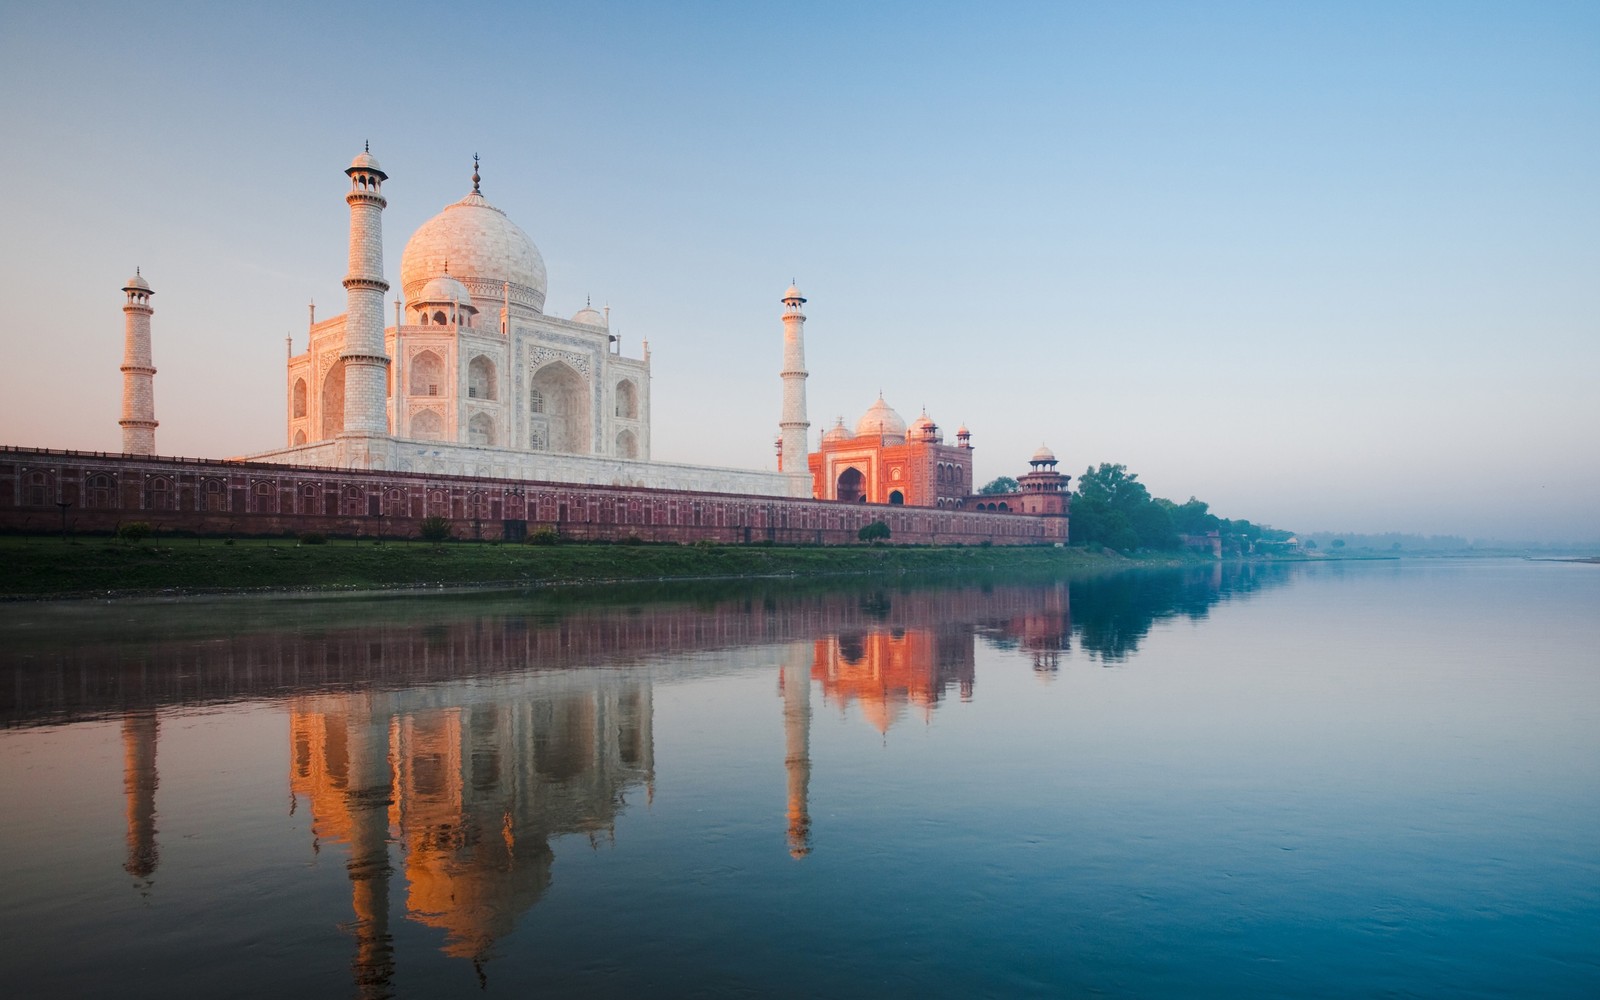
(238, 498)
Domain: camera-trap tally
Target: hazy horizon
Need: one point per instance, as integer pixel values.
(1326, 268)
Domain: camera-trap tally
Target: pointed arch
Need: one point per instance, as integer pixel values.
(333, 401)
(565, 394)
(627, 445)
(480, 429)
(427, 375)
(427, 425)
(481, 380)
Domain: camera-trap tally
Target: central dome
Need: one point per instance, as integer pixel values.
(476, 244)
(881, 421)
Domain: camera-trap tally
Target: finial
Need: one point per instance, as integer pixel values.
(136, 270)
(447, 265)
(475, 177)
(588, 302)
(366, 145)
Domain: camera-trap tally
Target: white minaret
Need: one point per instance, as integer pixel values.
(794, 425)
(138, 376)
(366, 365)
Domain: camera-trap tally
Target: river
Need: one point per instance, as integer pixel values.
(1324, 779)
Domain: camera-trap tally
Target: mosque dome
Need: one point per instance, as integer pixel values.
(1043, 456)
(484, 249)
(838, 432)
(590, 316)
(881, 421)
(444, 289)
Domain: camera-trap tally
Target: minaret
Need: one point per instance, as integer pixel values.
(365, 362)
(794, 425)
(138, 376)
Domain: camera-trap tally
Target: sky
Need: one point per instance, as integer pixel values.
(1326, 266)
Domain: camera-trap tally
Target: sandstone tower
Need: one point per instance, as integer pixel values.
(794, 425)
(364, 360)
(138, 376)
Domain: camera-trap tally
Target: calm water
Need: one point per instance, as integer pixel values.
(1321, 780)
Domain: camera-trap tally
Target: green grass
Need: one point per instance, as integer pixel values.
(84, 566)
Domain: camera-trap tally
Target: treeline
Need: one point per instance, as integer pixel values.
(1112, 509)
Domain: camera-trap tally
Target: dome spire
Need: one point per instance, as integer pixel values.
(475, 177)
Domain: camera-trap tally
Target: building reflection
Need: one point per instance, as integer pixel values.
(140, 732)
(471, 784)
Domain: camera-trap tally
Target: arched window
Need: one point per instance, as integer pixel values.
(39, 491)
(566, 398)
(264, 498)
(160, 494)
(897, 497)
(627, 400)
(438, 318)
(627, 445)
(298, 403)
(481, 379)
(480, 429)
(535, 401)
(299, 437)
(427, 425)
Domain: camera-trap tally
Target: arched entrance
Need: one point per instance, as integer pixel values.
(897, 497)
(851, 486)
(563, 395)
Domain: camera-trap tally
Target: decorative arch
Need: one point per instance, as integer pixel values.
(565, 395)
(627, 445)
(299, 437)
(897, 498)
(333, 401)
(627, 400)
(480, 429)
(481, 380)
(297, 398)
(427, 425)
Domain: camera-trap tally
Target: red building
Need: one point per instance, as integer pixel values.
(884, 461)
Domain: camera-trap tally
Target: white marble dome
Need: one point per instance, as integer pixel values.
(137, 281)
(881, 421)
(1043, 456)
(483, 250)
(365, 161)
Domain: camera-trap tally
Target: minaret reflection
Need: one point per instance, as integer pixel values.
(140, 731)
(794, 683)
(473, 782)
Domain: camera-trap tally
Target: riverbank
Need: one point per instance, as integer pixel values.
(50, 567)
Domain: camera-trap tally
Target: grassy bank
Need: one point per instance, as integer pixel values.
(51, 567)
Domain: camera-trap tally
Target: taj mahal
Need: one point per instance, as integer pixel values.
(473, 379)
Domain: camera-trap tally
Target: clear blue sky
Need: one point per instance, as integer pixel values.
(1326, 266)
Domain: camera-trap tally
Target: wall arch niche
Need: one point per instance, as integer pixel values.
(627, 400)
(427, 425)
(299, 398)
(565, 398)
(627, 445)
(480, 429)
(427, 374)
(333, 401)
(481, 381)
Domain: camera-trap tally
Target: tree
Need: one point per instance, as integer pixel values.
(1338, 543)
(999, 484)
(435, 529)
(875, 532)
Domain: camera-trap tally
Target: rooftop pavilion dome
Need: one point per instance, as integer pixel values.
(881, 421)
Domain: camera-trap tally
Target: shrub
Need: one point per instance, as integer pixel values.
(313, 538)
(133, 532)
(875, 532)
(435, 529)
(544, 536)
(633, 540)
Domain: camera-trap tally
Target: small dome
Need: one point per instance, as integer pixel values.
(1042, 457)
(924, 429)
(137, 281)
(793, 293)
(962, 431)
(881, 421)
(590, 316)
(366, 161)
(838, 432)
(445, 290)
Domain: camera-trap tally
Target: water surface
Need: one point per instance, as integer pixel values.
(1327, 780)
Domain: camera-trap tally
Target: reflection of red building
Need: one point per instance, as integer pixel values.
(886, 671)
(883, 461)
